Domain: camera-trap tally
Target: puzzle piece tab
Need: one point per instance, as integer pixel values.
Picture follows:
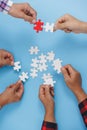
(48, 79)
(38, 26)
(33, 73)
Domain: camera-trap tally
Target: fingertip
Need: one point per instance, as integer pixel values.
(54, 28)
(62, 68)
(33, 21)
(12, 63)
(19, 81)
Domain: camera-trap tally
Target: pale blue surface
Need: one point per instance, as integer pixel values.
(17, 36)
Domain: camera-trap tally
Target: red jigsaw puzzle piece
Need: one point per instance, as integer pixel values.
(38, 26)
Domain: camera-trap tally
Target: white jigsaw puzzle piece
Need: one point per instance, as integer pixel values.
(49, 27)
(49, 81)
(42, 67)
(47, 76)
(42, 58)
(33, 73)
(35, 62)
(50, 56)
(17, 66)
(34, 50)
(57, 64)
(24, 76)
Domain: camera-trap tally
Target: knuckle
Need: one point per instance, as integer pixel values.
(69, 65)
(67, 15)
(26, 4)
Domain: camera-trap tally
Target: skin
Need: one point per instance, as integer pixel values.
(46, 94)
(23, 11)
(69, 24)
(14, 92)
(6, 58)
(74, 82)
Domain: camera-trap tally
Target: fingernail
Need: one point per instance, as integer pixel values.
(33, 21)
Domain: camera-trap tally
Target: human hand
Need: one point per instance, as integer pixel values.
(69, 24)
(6, 58)
(74, 82)
(23, 11)
(13, 93)
(46, 94)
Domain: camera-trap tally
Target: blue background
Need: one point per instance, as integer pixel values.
(17, 37)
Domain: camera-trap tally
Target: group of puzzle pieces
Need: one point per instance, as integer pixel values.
(40, 64)
(39, 26)
(24, 75)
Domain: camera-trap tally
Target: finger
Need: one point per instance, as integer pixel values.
(62, 19)
(8, 62)
(52, 91)
(20, 91)
(41, 91)
(65, 72)
(34, 13)
(59, 26)
(47, 90)
(28, 18)
(70, 69)
(17, 85)
(67, 30)
(8, 56)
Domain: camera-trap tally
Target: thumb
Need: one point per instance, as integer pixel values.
(17, 85)
(65, 72)
(47, 90)
(59, 26)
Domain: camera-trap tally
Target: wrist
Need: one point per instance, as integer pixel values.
(80, 95)
(3, 101)
(49, 116)
(83, 26)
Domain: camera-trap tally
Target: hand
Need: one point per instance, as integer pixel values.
(13, 93)
(23, 11)
(46, 94)
(69, 24)
(74, 82)
(6, 58)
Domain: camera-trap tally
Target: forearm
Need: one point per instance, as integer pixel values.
(49, 116)
(83, 27)
(80, 95)
(82, 100)
(3, 101)
(49, 121)
(5, 5)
